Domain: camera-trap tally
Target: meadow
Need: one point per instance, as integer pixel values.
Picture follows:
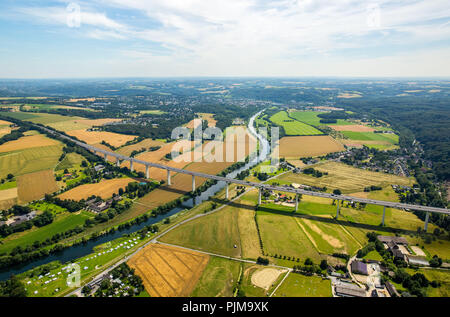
(218, 279)
(94, 137)
(292, 126)
(61, 223)
(297, 285)
(311, 118)
(370, 136)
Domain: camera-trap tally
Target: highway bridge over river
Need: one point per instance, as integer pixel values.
(260, 186)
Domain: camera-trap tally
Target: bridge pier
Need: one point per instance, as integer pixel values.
(106, 156)
(131, 166)
(259, 196)
(296, 202)
(147, 171)
(427, 218)
(384, 214)
(193, 183)
(226, 191)
(337, 209)
(117, 162)
(168, 178)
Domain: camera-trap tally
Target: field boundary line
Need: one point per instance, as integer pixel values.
(310, 238)
(282, 281)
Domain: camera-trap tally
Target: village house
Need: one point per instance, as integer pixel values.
(359, 267)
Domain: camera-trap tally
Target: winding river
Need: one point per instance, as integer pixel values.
(81, 250)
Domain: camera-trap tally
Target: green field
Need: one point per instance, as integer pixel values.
(218, 279)
(63, 222)
(29, 160)
(154, 112)
(292, 126)
(373, 255)
(297, 285)
(281, 235)
(216, 233)
(8, 185)
(311, 118)
(371, 136)
(71, 160)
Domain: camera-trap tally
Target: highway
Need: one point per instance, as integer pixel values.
(260, 186)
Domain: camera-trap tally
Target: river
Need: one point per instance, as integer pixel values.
(81, 250)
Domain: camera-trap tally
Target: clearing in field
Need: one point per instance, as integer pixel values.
(265, 278)
(168, 271)
(346, 178)
(27, 142)
(94, 137)
(34, 186)
(308, 146)
(104, 189)
(292, 126)
(297, 285)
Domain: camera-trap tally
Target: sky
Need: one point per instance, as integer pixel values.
(184, 38)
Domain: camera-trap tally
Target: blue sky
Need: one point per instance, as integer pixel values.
(148, 38)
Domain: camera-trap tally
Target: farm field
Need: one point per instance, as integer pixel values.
(147, 143)
(104, 189)
(282, 235)
(168, 271)
(311, 118)
(218, 279)
(292, 126)
(216, 233)
(94, 137)
(34, 186)
(153, 112)
(298, 285)
(78, 123)
(248, 232)
(61, 223)
(71, 160)
(29, 160)
(369, 136)
(443, 276)
(352, 128)
(8, 198)
(346, 178)
(259, 281)
(296, 147)
(208, 117)
(27, 142)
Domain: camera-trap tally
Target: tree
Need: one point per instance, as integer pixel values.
(10, 176)
(337, 192)
(308, 261)
(12, 288)
(323, 264)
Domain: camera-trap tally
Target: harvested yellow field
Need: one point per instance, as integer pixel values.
(194, 124)
(265, 278)
(27, 142)
(104, 189)
(168, 271)
(81, 99)
(146, 144)
(4, 131)
(3, 122)
(349, 95)
(352, 127)
(8, 198)
(34, 186)
(93, 137)
(306, 146)
(346, 178)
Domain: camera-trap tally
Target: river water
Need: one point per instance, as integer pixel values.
(81, 250)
